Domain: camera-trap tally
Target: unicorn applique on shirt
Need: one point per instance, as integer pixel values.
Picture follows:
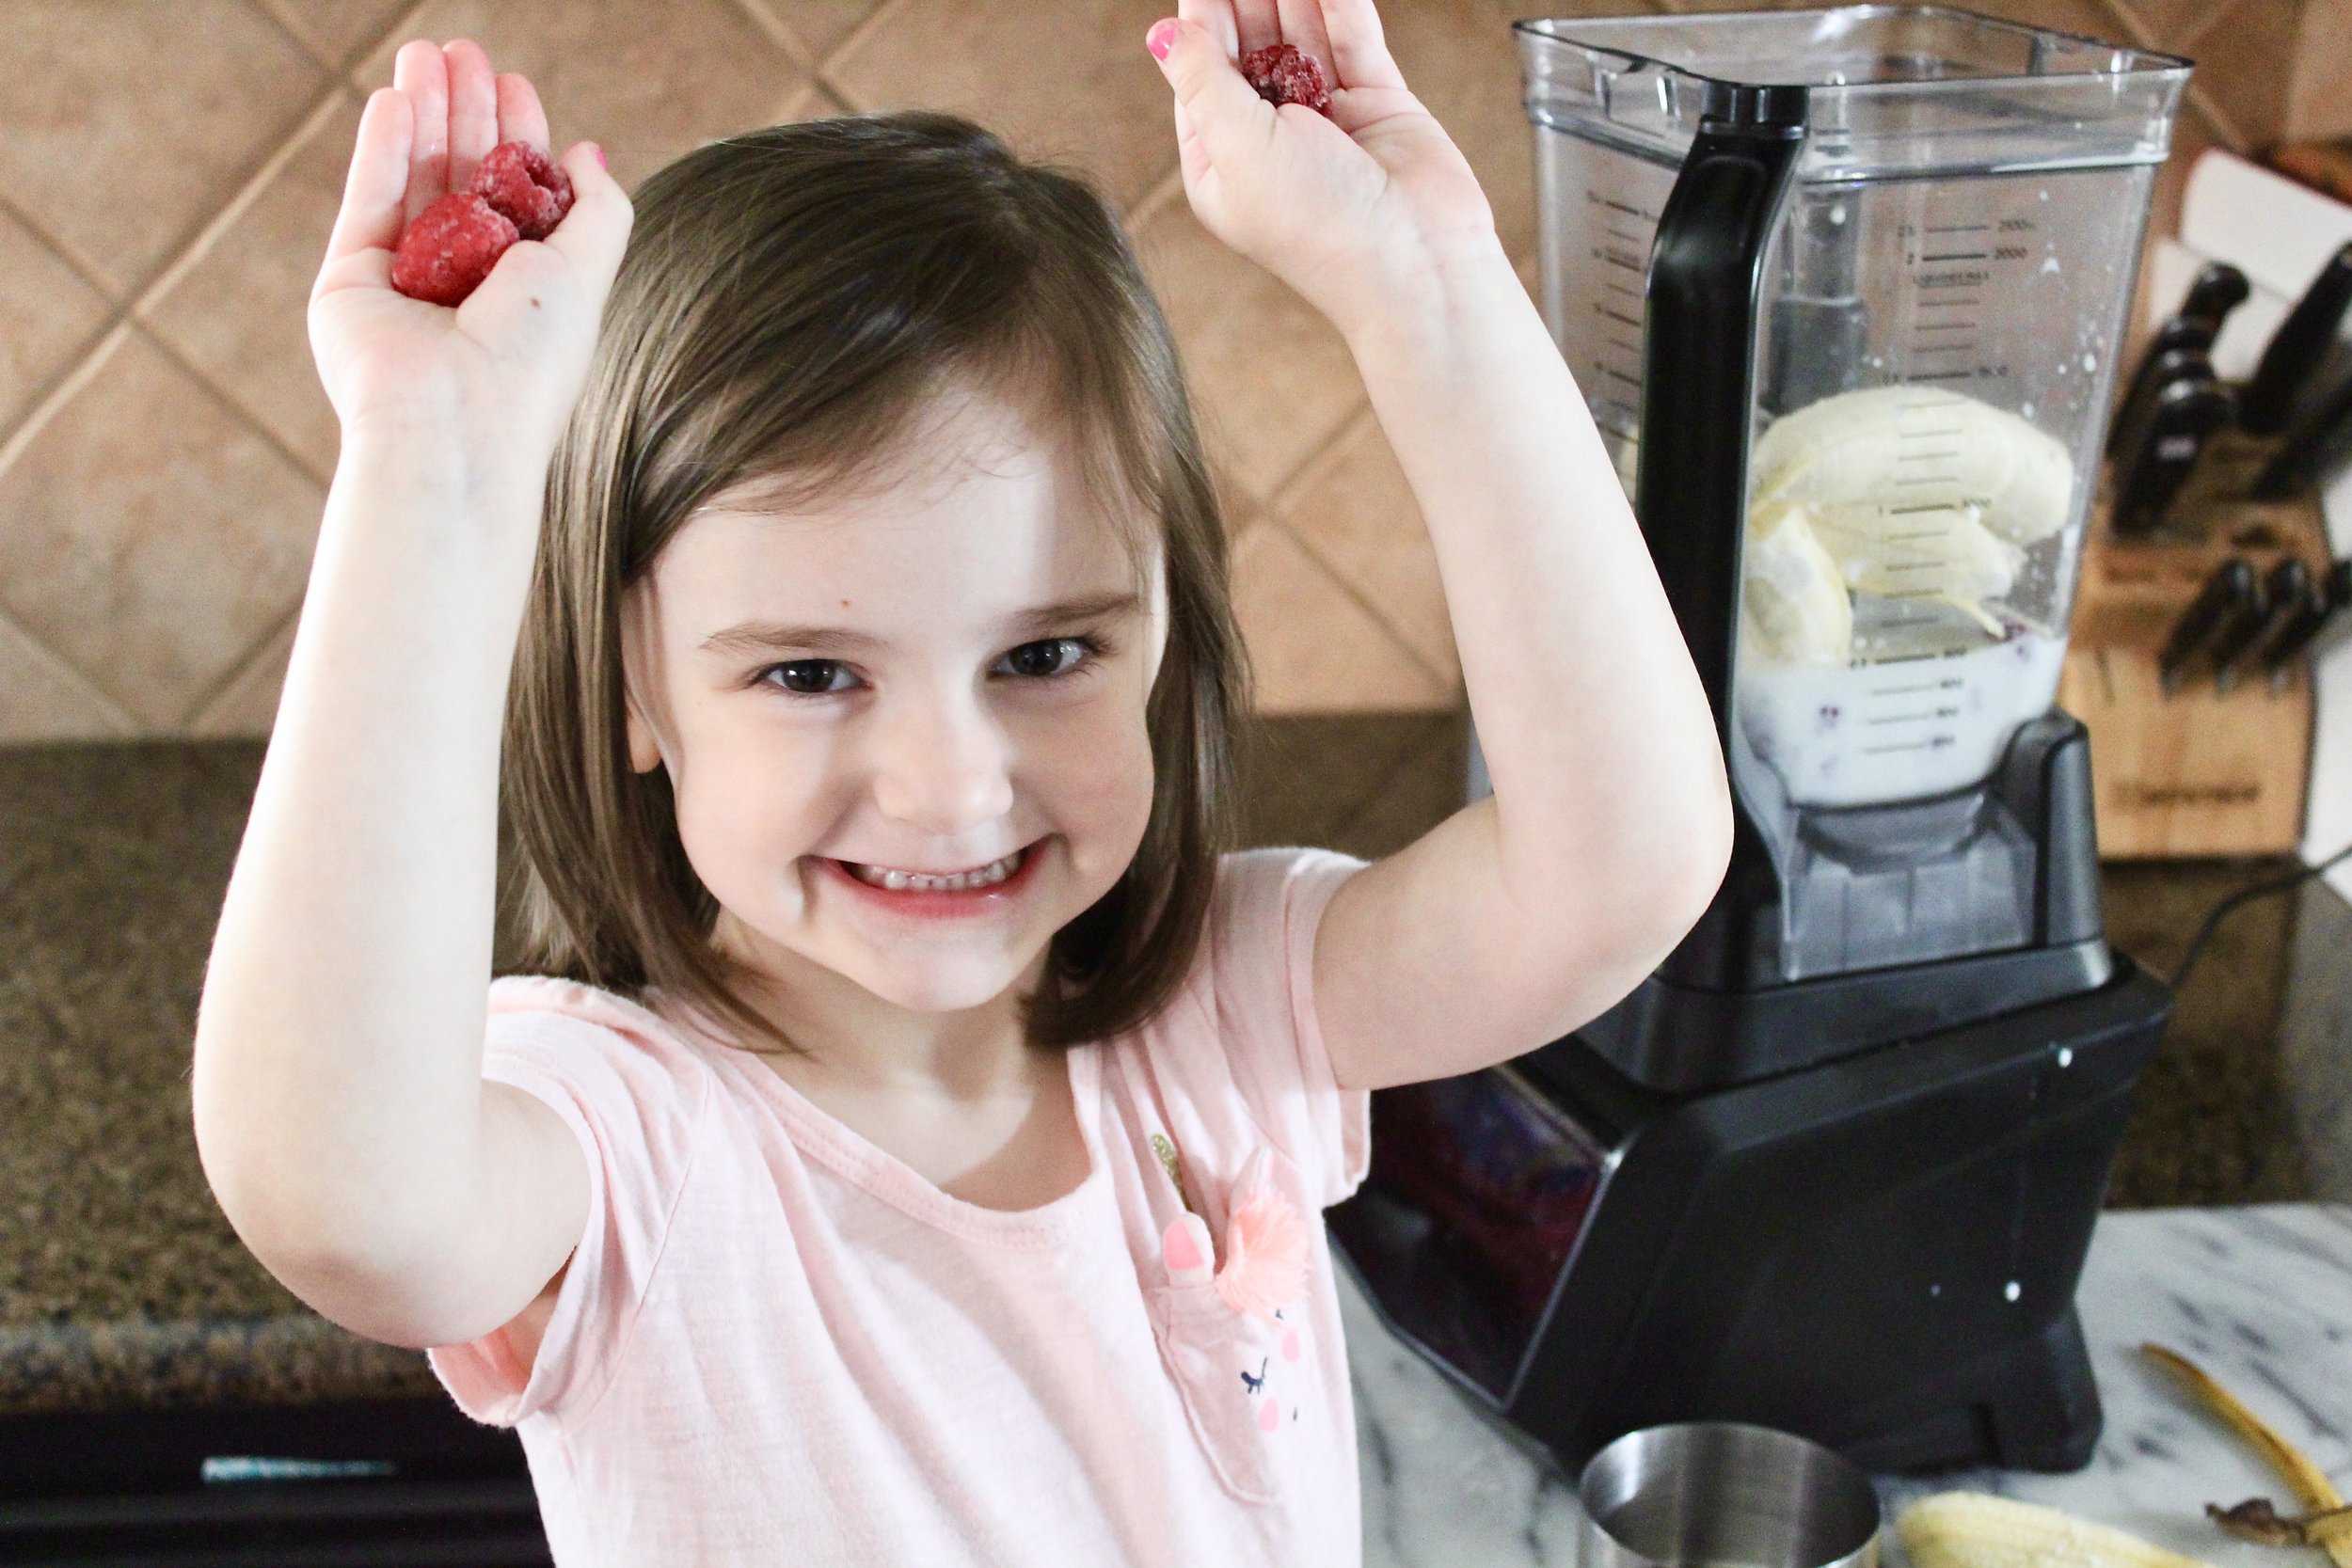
(1264, 1271)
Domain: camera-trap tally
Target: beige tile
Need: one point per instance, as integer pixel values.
(334, 30)
(1353, 507)
(238, 313)
(1068, 83)
(816, 27)
(1313, 648)
(2163, 24)
(44, 698)
(151, 532)
(122, 135)
(1461, 61)
(1273, 381)
(2242, 68)
(47, 311)
(246, 705)
(647, 80)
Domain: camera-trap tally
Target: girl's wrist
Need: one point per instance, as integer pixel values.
(473, 509)
(1443, 318)
(437, 463)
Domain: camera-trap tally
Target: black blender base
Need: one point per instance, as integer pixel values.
(1879, 1251)
(2028, 1406)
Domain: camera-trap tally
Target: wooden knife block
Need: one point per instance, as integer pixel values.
(2195, 772)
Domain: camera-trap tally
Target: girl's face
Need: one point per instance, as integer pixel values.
(944, 679)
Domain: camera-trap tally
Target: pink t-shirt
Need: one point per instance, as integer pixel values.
(780, 1344)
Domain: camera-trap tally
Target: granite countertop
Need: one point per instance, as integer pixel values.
(122, 1285)
(2261, 1297)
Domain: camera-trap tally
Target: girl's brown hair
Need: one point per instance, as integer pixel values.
(790, 301)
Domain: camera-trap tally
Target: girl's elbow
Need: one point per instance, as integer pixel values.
(1702, 856)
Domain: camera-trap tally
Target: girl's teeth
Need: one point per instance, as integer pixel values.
(901, 882)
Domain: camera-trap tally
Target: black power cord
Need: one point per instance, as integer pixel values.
(2247, 895)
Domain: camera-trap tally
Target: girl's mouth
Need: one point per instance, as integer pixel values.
(971, 891)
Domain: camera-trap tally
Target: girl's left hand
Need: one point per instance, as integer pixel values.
(1359, 213)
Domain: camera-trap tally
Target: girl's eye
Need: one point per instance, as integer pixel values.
(810, 677)
(1050, 656)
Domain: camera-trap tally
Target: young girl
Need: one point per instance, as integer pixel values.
(910, 1147)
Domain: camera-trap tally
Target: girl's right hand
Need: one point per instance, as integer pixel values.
(497, 376)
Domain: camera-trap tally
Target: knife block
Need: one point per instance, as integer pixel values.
(2196, 772)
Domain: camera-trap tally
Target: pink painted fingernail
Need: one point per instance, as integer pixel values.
(1160, 38)
(599, 155)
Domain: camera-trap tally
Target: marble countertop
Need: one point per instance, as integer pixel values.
(2261, 1297)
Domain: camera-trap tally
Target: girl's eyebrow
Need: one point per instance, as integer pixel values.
(770, 636)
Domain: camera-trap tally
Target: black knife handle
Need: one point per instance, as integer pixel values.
(2160, 452)
(2320, 601)
(2296, 348)
(2230, 583)
(2293, 600)
(2240, 626)
(2311, 448)
(2178, 355)
(2217, 289)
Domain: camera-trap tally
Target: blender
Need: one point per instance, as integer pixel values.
(1843, 290)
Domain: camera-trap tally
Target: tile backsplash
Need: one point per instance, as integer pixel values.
(169, 169)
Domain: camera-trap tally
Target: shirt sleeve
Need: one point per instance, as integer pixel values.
(634, 1100)
(1268, 906)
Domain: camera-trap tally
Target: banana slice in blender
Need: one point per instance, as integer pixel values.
(1909, 445)
(1912, 551)
(1798, 610)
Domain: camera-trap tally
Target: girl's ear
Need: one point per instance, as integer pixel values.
(645, 751)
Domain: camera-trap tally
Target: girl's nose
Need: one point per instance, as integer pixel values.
(943, 768)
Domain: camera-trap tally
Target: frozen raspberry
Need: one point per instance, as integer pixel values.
(1282, 74)
(451, 247)
(520, 182)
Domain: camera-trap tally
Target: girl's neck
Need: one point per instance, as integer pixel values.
(863, 1044)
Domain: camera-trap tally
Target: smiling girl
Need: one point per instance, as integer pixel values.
(908, 1143)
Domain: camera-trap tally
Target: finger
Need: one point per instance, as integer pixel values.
(373, 191)
(1228, 116)
(520, 117)
(595, 232)
(1259, 24)
(473, 109)
(1302, 28)
(1217, 17)
(1358, 51)
(421, 73)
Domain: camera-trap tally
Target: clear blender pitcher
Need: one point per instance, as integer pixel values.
(1843, 290)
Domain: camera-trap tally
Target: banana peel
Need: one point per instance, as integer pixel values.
(2309, 1482)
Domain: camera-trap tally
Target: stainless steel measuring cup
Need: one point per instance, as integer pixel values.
(1724, 1494)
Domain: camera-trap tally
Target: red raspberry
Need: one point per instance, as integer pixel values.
(520, 182)
(451, 247)
(1283, 75)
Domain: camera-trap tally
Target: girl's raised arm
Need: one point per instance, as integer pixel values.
(341, 1114)
(1524, 915)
